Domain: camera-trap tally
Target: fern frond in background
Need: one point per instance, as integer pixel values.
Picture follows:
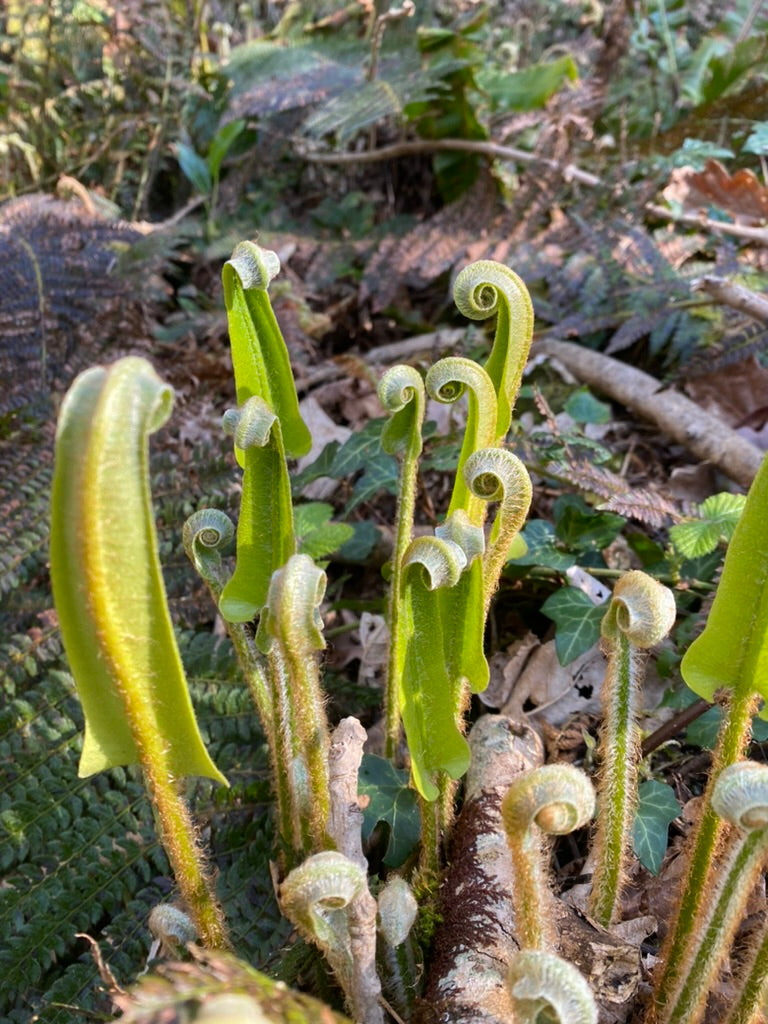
(82, 855)
(58, 262)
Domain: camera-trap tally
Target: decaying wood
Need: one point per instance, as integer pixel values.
(475, 941)
(727, 293)
(344, 827)
(684, 422)
(346, 818)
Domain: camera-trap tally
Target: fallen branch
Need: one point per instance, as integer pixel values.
(493, 149)
(682, 420)
(698, 220)
(734, 295)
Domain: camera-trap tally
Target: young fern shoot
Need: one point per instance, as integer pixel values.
(115, 623)
(731, 658)
(543, 987)
(640, 614)
(554, 800)
(740, 796)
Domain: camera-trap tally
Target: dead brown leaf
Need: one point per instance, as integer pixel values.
(740, 194)
(738, 394)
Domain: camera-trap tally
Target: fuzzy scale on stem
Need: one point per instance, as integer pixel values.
(740, 795)
(554, 799)
(640, 614)
(113, 610)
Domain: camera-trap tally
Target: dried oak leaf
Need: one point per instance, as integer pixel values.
(741, 195)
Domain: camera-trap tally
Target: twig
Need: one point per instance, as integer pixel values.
(752, 234)
(674, 725)
(735, 295)
(393, 14)
(686, 423)
(569, 171)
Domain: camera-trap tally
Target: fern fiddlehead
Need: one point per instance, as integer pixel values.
(290, 633)
(265, 534)
(494, 474)
(446, 382)
(320, 897)
(640, 614)
(553, 799)
(401, 392)
(482, 289)
(546, 987)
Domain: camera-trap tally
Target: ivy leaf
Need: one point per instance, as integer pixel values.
(380, 475)
(580, 527)
(365, 536)
(577, 622)
(392, 801)
(583, 407)
(316, 535)
(357, 451)
(657, 807)
(543, 549)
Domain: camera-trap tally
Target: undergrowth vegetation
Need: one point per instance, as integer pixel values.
(615, 157)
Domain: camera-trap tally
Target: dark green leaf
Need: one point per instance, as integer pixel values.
(221, 144)
(577, 620)
(317, 536)
(581, 527)
(543, 549)
(381, 474)
(657, 807)
(530, 88)
(392, 801)
(365, 536)
(583, 407)
(194, 168)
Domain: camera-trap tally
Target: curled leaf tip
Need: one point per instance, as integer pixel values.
(251, 424)
(458, 529)
(480, 286)
(401, 392)
(256, 267)
(544, 986)
(205, 535)
(399, 386)
(641, 608)
(557, 797)
(292, 612)
(482, 289)
(740, 795)
(442, 559)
